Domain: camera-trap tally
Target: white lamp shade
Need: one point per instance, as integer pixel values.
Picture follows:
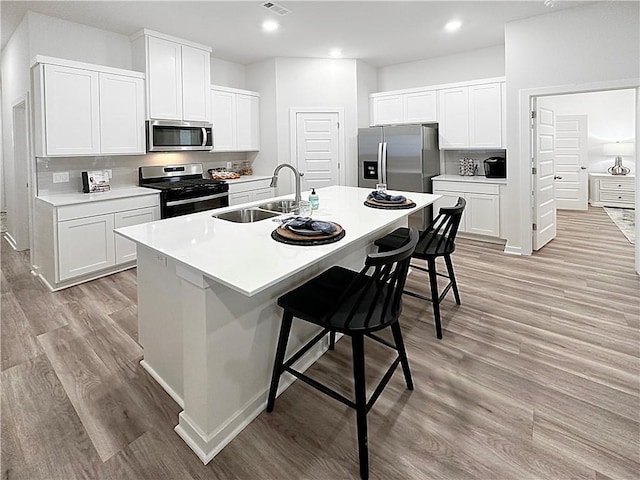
(619, 149)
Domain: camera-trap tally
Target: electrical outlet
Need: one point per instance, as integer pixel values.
(60, 177)
(161, 259)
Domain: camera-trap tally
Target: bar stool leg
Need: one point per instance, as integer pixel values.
(332, 340)
(433, 281)
(402, 353)
(452, 278)
(287, 319)
(357, 346)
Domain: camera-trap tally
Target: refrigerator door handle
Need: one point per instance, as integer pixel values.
(380, 162)
(384, 162)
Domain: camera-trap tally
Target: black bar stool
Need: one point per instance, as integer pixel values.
(355, 304)
(438, 240)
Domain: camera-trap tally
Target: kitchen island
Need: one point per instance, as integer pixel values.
(207, 305)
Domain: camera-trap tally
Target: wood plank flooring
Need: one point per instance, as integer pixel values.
(538, 376)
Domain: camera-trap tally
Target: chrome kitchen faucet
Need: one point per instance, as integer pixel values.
(274, 179)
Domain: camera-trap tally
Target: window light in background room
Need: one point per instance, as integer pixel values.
(618, 150)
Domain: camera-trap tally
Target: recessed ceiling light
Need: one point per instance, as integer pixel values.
(335, 53)
(270, 26)
(453, 25)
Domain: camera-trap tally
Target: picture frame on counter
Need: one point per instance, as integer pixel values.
(94, 181)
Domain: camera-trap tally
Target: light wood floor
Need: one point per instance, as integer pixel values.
(537, 377)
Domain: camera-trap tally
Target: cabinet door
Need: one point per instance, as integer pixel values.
(454, 117)
(388, 110)
(448, 199)
(485, 116)
(482, 214)
(126, 249)
(247, 122)
(85, 245)
(223, 110)
(121, 114)
(72, 118)
(196, 84)
(263, 194)
(420, 107)
(240, 198)
(164, 79)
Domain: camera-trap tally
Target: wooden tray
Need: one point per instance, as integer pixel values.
(284, 235)
(370, 202)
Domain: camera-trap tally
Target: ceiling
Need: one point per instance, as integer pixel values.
(378, 32)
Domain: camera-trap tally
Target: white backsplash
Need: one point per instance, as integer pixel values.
(452, 157)
(124, 168)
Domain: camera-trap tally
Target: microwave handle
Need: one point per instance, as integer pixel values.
(204, 137)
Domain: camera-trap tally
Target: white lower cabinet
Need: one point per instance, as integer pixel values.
(252, 191)
(482, 213)
(76, 242)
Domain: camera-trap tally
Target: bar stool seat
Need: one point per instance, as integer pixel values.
(438, 240)
(356, 304)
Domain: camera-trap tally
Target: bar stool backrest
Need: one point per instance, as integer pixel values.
(440, 235)
(374, 298)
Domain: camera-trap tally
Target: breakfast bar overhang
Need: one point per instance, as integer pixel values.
(207, 304)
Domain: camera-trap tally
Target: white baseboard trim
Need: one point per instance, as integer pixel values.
(512, 250)
(207, 445)
(172, 393)
(10, 240)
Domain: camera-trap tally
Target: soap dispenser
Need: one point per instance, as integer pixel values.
(314, 200)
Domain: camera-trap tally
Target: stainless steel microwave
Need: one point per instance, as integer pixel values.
(176, 136)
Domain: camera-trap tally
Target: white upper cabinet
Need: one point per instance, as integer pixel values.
(121, 114)
(400, 108)
(84, 109)
(178, 76)
(71, 107)
(471, 116)
(236, 120)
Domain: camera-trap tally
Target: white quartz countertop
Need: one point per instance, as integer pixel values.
(470, 179)
(73, 198)
(244, 257)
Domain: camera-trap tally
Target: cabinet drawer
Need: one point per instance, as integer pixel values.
(617, 185)
(620, 196)
(466, 187)
(89, 209)
(237, 187)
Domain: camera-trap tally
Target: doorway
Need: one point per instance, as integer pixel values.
(317, 146)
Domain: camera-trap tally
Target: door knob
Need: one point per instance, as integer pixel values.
(582, 167)
(557, 177)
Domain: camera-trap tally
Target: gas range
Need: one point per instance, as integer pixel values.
(183, 189)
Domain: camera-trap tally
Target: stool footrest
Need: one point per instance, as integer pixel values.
(304, 349)
(383, 383)
(323, 388)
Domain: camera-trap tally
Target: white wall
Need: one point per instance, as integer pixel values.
(227, 74)
(611, 118)
(482, 63)
(585, 48)
(367, 84)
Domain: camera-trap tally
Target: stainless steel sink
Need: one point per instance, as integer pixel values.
(280, 206)
(246, 215)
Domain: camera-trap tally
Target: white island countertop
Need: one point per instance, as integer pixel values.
(244, 257)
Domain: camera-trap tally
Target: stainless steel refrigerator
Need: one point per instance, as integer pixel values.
(405, 157)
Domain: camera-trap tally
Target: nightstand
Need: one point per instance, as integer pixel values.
(612, 190)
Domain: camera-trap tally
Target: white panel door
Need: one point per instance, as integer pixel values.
(85, 245)
(223, 112)
(317, 149)
(485, 115)
(126, 249)
(196, 84)
(420, 107)
(164, 79)
(543, 179)
(571, 161)
(247, 122)
(454, 117)
(388, 110)
(121, 114)
(71, 111)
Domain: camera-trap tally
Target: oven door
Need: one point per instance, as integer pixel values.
(167, 136)
(184, 206)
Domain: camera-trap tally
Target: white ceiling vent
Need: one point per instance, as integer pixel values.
(275, 8)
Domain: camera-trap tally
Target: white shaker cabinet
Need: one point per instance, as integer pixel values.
(402, 108)
(178, 76)
(250, 191)
(125, 250)
(71, 116)
(236, 119)
(471, 116)
(86, 109)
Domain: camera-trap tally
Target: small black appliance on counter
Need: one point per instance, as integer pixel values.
(495, 167)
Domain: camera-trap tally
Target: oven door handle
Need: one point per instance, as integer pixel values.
(196, 199)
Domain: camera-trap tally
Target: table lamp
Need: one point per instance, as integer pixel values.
(618, 150)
